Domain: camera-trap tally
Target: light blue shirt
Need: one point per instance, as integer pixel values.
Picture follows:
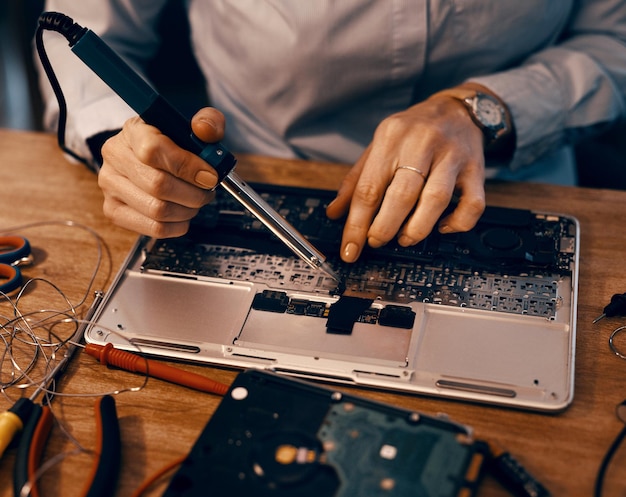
(312, 79)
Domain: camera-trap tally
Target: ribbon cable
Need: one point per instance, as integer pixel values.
(105, 470)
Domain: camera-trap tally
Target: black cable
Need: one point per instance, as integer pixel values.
(55, 21)
(72, 32)
(607, 458)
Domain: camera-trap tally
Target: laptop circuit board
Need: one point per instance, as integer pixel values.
(510, 262)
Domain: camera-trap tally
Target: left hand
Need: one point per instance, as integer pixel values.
(439, 139)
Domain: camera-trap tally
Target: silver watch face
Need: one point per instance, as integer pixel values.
(488, 112)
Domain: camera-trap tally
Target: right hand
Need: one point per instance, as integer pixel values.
(152, 186)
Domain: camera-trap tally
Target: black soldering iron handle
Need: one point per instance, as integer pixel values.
(136, 91)
(156, 111)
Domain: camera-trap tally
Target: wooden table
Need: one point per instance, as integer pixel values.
(161, 422)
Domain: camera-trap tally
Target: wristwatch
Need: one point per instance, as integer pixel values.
(488, 114)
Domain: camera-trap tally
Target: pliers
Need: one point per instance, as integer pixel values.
(37, 422)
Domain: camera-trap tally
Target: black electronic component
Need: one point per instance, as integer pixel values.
(271, 301)
(276, 436)
(397, 316)
(345, 312)
(508, 470)
(369, 316)
(303, 307)
(298, 307)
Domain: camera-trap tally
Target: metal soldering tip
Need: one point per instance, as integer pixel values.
(324, 266)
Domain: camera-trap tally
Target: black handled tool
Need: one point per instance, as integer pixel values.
(156, 111)
(105, 470)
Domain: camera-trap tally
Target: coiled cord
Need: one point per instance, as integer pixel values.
(55, 21)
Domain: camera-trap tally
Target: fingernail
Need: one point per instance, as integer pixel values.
(405, 241)
(444, 228)
(350, 252)
(208, 122)
(205, 179)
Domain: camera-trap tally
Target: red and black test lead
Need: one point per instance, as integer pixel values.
(108, 355)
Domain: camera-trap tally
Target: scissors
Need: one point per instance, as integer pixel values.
(14, 252)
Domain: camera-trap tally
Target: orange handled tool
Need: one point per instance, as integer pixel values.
(110, 356)
(103, 478)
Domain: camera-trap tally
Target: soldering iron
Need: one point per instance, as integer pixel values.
(156, 111)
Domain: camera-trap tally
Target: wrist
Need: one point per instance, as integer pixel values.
(490, 114)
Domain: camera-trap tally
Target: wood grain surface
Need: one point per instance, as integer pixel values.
(160, 422)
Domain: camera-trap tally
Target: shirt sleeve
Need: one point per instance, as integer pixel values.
(129, 28)
(574, 87)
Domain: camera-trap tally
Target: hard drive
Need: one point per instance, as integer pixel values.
(276, 436)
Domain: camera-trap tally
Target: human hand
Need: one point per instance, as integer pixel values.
(444, 150)
(151, 185)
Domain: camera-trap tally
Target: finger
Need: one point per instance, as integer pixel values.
(166, 187)
(471, 204)
(153, 148)
(208, 124)
(341, 203)
(123, 190)
(125, 216)
(131, 208)
(367, 196)
(400, 199)
(435, 197)
(120, 162)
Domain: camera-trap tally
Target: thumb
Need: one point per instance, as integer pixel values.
(208, 124)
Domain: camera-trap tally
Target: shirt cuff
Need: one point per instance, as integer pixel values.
(104, 115)
(536, 107)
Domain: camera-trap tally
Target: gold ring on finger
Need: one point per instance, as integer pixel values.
(414, 169)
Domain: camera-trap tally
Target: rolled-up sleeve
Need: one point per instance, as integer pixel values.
(574, 87)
